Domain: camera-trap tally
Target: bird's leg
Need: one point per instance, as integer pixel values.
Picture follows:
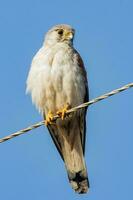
(49, 118)
(62, 112)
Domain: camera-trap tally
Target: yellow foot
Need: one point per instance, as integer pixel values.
(62, 112)
(49, 118)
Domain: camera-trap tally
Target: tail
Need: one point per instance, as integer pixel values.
(75, 164)
(79, 181)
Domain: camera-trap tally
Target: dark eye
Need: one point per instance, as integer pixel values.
(60, 32)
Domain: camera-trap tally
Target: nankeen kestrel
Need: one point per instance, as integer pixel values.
(57, 81)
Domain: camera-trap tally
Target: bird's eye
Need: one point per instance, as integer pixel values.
(60, 32)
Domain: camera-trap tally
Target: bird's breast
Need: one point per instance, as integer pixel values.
(57, 81)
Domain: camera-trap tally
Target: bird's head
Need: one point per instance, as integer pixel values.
(60, 33)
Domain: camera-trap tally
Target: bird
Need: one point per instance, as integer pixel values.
(57, 81)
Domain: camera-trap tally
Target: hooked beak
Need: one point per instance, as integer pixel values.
(69, 35)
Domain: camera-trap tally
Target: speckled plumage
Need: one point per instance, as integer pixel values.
(57, 76)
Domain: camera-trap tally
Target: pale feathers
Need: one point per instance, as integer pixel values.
(55, 78)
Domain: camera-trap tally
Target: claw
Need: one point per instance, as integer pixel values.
(62, 112)
(49, 118)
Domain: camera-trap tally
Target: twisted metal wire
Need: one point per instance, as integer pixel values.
(104, 96)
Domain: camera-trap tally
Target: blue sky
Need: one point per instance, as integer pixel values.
(30, 167)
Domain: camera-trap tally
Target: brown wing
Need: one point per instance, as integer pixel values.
(53, 130)
(82, 118)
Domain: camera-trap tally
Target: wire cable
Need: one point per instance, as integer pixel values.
(93, 101)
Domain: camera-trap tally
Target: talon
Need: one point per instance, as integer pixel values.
(49, 118)
(62, 112)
